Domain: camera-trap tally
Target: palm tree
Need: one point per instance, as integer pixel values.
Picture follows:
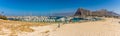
(2, 16)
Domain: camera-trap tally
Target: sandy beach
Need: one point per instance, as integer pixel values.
(107, 27)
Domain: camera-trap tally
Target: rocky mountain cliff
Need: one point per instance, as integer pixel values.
(102, 12)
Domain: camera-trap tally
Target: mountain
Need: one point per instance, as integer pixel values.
(81, 12)
(103, 12)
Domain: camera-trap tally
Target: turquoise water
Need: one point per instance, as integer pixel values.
(77, 19)
(57, 18)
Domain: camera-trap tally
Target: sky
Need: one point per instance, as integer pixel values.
(50, 7)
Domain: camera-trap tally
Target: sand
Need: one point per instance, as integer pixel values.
(12, 28)
(107, 27)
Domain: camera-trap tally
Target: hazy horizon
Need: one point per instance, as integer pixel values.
(51, 7)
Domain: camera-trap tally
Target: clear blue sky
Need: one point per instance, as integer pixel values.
(47, 7)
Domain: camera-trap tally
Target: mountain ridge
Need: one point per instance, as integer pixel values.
(102, 12)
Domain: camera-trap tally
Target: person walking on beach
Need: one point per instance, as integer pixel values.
(58, 25)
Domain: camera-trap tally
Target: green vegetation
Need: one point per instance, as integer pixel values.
(3, 17)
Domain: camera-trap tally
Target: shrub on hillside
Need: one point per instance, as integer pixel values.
(3, 17)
